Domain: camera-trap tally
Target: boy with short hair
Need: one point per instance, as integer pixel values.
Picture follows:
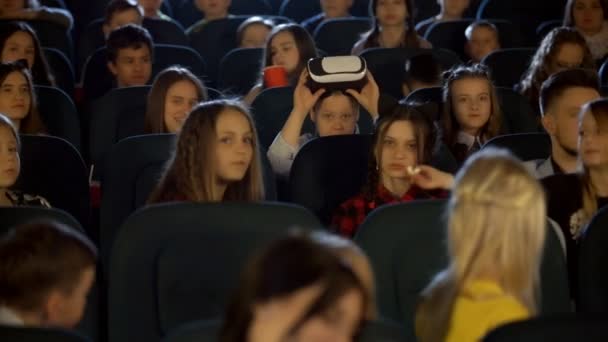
(46, 272)
(130, 54)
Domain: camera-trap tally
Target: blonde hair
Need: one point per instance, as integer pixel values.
(496, 229)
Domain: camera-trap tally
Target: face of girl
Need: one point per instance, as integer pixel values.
(284, 51)
(19, 45)
(391, 12)
(234, 146)
(179, 100)
(568, 56)
(9, 158)
(592, 141)
(588, 15)
(335, 116)
(338, 324)
(15, 98)
(11, 5)
(471, 103)
(399, 150)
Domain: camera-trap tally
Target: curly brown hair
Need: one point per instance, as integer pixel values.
(540, 67)
(190, 173)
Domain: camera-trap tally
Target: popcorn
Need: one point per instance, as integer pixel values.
(413, 170)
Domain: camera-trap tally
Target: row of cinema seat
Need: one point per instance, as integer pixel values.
(194, 263)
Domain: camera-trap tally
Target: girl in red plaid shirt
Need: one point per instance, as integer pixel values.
(401, 142)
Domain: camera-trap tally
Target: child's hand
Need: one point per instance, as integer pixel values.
(369, 96)
(303, 98)
(429, 178)
(272, 321)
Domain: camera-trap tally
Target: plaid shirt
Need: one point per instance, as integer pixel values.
(350, 214)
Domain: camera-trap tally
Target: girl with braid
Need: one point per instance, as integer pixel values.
(216, 158)
(402, 142)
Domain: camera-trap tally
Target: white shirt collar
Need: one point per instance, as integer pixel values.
(467, 139)
(9, 317)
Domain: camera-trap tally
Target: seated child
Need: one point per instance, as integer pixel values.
(482, 39)
(47, 270)
(130, 53)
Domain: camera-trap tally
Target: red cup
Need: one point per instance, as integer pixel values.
(275, 76)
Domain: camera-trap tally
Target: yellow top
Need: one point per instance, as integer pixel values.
(481, 307)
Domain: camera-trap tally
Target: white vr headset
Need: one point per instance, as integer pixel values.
(337, 73)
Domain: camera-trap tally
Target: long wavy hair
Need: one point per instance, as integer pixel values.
(545, 56)
(32, 123)
(41, 72)
(425, 135)
(449, 124)
(410, 39)
(154, 121)
(190, 173)
(496, 225)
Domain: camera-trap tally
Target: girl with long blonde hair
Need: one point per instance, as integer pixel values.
(495, 234)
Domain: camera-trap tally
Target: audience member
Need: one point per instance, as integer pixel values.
(212, 10)
(47, 270)
(448, 10)
(495, 237)
(482, 39)
(289, 46)
(130, 53)
(561, 97)
(330, 9)
(152, 9)
(253, 32)
(174, 92)
(471, 110)
(402, 140)
(296, 289)
(562, 48)
(574, 198)
(332, 112)
(19, 41)
(392, 27)
(18, 99)
(120, 13)
(216, 158)
(10, 167)
(589, 18)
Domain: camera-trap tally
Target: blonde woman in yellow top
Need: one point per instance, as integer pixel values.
(496, 233)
